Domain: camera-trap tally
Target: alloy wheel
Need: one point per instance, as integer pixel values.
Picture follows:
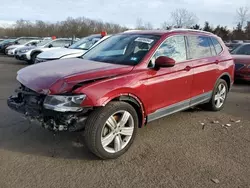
(220, 95)
(117, 131)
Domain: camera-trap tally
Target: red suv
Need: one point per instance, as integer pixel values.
(123, 83)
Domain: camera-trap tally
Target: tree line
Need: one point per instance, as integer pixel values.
(80, 27)
(182, 18)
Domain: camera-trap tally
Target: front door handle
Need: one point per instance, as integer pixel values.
(216, 61)
(187, 68)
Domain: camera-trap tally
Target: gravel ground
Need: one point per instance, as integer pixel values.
(186, 149)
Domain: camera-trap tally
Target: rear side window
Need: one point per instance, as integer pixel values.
(199, 47)
(217, 46)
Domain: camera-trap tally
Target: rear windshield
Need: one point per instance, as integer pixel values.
(242, 50)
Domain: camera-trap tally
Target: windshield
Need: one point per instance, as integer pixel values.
(43, 43)
(85, 43)
(126, 49)
(7, 40)
(242, 50)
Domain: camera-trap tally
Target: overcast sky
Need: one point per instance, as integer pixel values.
(124, 12)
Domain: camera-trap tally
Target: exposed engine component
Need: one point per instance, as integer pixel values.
(30, 104)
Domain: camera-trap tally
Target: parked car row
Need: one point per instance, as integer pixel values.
(122, 83)
(36, 50)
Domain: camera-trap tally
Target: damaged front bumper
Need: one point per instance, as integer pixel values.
(30, 104)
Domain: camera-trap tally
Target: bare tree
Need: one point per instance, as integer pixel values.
(148, 26)
(166, 25)
(242, 15)
(70, 27)
(139, 24)
(183, 18)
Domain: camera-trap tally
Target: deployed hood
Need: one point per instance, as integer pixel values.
(59, 53)
(61, 75)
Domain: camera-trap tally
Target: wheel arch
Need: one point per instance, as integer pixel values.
(35, 51)
(135, 102)
(226, 76)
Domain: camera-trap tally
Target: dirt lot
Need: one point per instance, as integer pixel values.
(176, 151)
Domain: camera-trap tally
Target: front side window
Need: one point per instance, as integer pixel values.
(23, 41)
(42, 43)
(199, 47)
(173, 47)
(127, 49)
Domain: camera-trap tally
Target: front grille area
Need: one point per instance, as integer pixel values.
(31, 100)
(239, 66)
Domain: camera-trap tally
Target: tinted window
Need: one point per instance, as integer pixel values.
(199, 47)
(243, 50)
(174, 47)
(217, 46)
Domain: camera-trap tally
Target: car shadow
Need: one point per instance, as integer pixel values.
(18, 135)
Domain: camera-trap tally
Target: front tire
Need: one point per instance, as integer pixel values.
(219, 96)
(111, 130)
(33, 58)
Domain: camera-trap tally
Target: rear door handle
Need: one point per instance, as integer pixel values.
(187, 68)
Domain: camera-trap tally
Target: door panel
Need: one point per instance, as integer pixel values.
(171, 85)
(205, 64)
(168, 86)
(205, 75)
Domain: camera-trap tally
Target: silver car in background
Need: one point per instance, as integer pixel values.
(10, 51)
(75, 50)
(29, 54)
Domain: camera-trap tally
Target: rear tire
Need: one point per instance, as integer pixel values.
(111, 130)
(219, 96)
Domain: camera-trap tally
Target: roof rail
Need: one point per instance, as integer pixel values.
(131, 30)
(192, 30)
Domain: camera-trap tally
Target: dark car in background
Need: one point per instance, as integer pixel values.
(242, 49)
(20, 40)
(242, 67)
(4, 44)
(232, 46)
(241, 56)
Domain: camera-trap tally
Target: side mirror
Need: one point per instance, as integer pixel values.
(66, 45)
(16, 42)
(50, 46)
(164, 61)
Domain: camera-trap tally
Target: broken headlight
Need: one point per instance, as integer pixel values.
(66, 103)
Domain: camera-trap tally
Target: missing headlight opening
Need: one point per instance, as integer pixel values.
(59, 113)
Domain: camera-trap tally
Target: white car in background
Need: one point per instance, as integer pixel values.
(10, 51)
(29, 54)
(76, 50)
